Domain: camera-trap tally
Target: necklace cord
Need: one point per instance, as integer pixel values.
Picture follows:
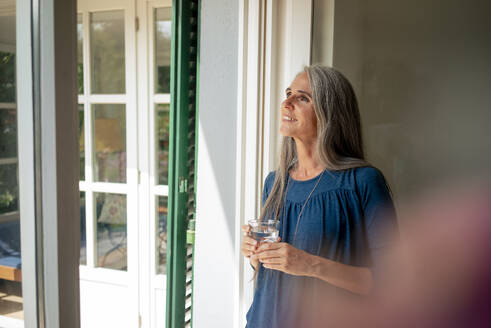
(301, 210)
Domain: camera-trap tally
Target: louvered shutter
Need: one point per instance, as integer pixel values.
(182, 168)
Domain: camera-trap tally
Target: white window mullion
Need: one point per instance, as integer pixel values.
(160, 190)
(6, 161)
(153, 234)
(91, 229)
(83, 186)
(151, 95)
(161, 98)
(132, 222)
(144, 130)
(157, 281)
(152, 145)
(111, 99)
(109, 187)
(7, 106)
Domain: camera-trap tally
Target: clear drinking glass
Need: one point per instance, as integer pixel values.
(264, 231)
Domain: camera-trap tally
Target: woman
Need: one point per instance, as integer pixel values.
(334, 208)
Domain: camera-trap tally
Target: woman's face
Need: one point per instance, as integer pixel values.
(298, 118)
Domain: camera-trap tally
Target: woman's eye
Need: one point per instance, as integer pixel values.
(303, 98)
(288, 95)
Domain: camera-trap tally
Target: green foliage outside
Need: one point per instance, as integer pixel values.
(163, 79)
(163, 122)
(8, 135)
(8, 188)
(107, 52)
(80, 78)
(7, 77)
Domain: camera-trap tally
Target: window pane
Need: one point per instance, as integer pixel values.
(10, 278)
(163, 18)
(8, 132)
(162, 121)
(111, 231)
(11, 303)
(83, 237)
(7, 64)
(107, 52)
(109, 143)
(161, 236)
(80, 56)
(9, 199)
(81, 136)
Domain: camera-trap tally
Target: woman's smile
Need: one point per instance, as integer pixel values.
(288, 119)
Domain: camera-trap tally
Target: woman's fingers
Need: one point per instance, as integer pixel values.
(270, 246)
(268, 255)
(249, 241)
(249, 245)
(247, 253)
(246, 228)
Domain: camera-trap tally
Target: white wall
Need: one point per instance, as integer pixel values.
(250, 53)
(422, 73)
(215, 224)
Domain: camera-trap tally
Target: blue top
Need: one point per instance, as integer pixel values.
(346, 220)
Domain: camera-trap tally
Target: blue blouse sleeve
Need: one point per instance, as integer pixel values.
(380, 216)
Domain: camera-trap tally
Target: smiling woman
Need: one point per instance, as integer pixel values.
(298, 115)
(336, 216)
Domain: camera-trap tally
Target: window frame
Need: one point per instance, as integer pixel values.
(46, 30)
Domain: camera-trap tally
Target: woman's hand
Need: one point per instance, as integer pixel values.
(284, 257)
(249, 246)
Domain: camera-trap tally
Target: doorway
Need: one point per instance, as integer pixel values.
(124, 109)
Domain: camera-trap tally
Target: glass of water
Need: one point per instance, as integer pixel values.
(264, 231)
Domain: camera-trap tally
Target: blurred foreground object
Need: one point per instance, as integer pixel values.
(440, 275)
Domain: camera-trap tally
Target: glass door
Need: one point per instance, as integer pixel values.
(108, 155)
(124, 66)
(166, 157)
(154, 56)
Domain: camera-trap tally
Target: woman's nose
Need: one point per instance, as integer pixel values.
(287, 103)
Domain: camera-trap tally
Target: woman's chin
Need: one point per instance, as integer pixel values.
(285, 131)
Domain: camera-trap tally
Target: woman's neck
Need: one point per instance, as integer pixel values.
(308, 165)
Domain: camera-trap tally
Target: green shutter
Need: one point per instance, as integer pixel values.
(182, 161)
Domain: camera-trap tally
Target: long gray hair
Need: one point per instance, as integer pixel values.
(339, 140)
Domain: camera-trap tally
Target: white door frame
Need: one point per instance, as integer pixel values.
(280, 31)
(228, 195)
(90, 272)
(150, 283)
